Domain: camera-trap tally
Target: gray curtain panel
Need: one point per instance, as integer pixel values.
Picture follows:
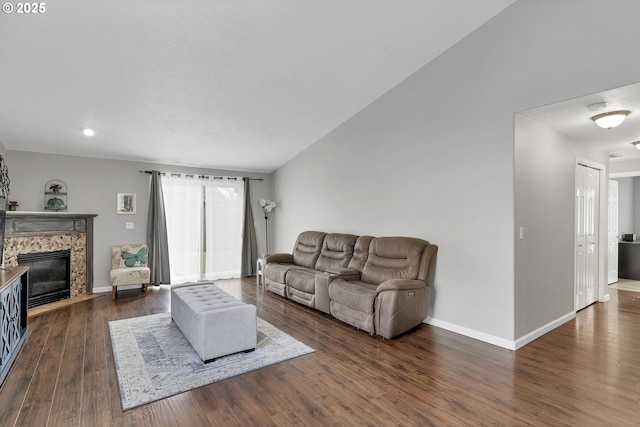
(249, 241)
(157, 234)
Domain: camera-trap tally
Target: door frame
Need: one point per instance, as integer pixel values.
(602, 291)
(612, 210)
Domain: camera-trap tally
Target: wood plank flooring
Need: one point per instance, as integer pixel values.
(586, 372)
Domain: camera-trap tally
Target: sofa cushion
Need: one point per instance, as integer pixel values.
(360, 253)
(360, 320)
(277, 272)
(357, 295)
(301, 279)
(393, 258)
(353, 302)
(307, 248)
(336, 252)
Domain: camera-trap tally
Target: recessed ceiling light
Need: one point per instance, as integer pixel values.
(88, 132)
(636, 144)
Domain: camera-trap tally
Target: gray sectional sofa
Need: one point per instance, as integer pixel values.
(377, 284)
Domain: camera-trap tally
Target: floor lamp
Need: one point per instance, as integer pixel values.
(267, 207)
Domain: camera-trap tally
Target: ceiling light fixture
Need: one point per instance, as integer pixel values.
(88, 132)
(611, 119)
(636, 144)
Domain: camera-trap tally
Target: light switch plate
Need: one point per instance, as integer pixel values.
(129, 226)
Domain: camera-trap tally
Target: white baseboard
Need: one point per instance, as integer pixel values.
(501, 342)
(522, 341)
(472, 333)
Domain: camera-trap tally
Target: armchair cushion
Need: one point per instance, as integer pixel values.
(128, 256)
(130, 276)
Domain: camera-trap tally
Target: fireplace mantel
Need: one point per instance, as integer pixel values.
(30, 227)
(22, 223)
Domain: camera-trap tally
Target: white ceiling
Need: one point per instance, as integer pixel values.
(225, 84)
(573, 119)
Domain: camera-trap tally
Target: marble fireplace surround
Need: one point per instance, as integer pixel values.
(33, 232)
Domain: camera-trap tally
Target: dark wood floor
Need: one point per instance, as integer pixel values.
(584, 373)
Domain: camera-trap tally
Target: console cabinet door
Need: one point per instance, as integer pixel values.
(14, 304)
(10, 319)
(5, 331)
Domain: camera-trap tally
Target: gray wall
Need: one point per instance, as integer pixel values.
(545, 166)
(434, 157)
(629, 205)
(625, 205)
(635, 203)
(93, 185)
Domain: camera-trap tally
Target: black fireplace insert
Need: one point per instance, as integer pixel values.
(49, 276)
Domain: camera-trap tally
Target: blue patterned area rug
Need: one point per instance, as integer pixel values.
(154, 360)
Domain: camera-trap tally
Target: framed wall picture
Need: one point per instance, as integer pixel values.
(126, 204)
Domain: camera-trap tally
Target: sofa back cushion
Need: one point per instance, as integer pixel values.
(360, 253)
(394, 258)
(307, 248)
(336, 252)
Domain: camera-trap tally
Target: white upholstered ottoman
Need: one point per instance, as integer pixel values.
(215, 323)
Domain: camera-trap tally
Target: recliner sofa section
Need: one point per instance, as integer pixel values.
(380, 285)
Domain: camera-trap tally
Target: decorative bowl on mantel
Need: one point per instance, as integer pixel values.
(55, 204)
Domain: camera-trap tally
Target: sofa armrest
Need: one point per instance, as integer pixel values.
(401, 304)
(400, 285)
(282, 258)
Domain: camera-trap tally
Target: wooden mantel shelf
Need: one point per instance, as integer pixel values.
(49, 213)
(23, 223)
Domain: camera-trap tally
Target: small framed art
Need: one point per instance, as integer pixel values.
(126, 204)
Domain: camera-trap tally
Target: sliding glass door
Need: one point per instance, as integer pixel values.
(224, 216)
(204, 226)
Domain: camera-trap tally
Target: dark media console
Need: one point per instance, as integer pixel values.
(13, 315)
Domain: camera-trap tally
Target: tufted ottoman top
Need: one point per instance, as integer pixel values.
(208, 298)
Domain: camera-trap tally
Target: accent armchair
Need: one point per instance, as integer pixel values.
(129, 267)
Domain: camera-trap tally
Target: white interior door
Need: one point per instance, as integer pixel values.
(612, 236)
(586, 250)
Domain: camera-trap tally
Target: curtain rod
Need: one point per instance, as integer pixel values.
(202, 176)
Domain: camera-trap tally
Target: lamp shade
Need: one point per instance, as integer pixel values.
(611, 119)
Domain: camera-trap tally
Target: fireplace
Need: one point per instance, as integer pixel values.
(36, 232)
(49, 276)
